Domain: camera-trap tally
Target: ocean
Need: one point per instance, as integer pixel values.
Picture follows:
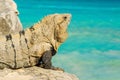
(92, 50)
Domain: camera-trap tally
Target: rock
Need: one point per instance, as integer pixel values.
(35, 73)
(9, 21)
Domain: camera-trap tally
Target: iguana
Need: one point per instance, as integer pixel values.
(35, 45)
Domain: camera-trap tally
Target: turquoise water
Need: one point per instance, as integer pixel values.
(92, 51)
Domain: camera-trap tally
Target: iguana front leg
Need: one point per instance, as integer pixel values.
(45, 61)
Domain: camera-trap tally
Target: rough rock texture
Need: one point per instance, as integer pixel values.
(35, 73)
(9, 21)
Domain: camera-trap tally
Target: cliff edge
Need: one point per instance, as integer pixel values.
(35, 73)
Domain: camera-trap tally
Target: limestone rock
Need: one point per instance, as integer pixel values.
(9, 21)
(35, 73)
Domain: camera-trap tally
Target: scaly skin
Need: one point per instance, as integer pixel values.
(35, 45)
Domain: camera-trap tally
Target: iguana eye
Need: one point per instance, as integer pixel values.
(65, 17)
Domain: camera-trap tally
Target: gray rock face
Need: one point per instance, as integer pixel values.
(35, 73)
(9, 21)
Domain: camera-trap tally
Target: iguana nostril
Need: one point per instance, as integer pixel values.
(65, 17)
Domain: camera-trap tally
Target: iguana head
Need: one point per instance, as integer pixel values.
(60, 32)
(61, 22)
(54, 28)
